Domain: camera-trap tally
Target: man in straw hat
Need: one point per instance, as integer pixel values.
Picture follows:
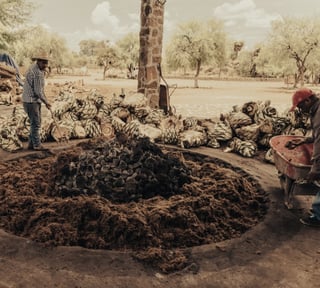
(32, 97)
(308, 102)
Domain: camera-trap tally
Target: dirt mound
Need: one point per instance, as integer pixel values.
(69, 199)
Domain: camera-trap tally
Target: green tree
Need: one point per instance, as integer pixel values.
(13, 13)
(313, 72)
(195, 44)
(247, 63)
(236, 49)
(294, 40)
(244, 64)
(90, 47)
(107, 57)
(267, 68)
(37, 38)
(129, 51)
(103, 52)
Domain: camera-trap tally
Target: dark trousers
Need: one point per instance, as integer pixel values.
(33, 111)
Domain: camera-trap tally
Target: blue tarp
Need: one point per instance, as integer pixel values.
(4, 57)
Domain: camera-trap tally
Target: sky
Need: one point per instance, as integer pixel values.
(246, 20)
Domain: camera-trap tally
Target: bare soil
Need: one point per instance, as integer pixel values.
(265, 247)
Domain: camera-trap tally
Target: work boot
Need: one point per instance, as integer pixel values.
(311, 221)
(39, 148)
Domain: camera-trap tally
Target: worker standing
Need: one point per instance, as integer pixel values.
(33, 96)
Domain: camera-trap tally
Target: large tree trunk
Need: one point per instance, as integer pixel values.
(151, 33)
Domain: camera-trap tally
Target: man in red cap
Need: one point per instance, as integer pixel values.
(299, 96)
(305, 100)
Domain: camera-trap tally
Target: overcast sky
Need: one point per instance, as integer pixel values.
(247, 20)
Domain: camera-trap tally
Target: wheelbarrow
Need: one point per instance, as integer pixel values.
(293, 165)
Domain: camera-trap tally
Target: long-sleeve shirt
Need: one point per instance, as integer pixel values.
(33, 88)
(315, 123)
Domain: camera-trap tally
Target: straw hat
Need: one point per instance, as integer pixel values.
(41, 56)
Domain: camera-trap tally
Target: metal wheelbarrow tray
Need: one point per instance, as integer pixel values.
(293, 165)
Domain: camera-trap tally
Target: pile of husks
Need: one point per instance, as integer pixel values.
(120, 171)
(129, 195)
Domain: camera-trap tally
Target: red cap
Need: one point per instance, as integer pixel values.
(299, 96)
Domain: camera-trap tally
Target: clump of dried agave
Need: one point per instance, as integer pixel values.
(120, 170)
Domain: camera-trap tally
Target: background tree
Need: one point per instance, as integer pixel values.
(248, 63)
(13, 13)
(265, 67)
(107, 57)
(244, 64)
(89, 51)
(233, 50)
(90, 47)
(313, 73)
(129, 50)
(38, 38)
(98, 52)
(294, 40)
(195, 44)
(237, 47)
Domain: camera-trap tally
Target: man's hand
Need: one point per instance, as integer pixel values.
(294, 143)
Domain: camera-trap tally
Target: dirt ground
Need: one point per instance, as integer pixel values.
(276, 252)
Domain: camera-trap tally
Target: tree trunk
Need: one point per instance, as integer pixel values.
(151, 33)
(301, 70)
(105, 68)
(196, 84)
(301, 76)
(296, 80)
